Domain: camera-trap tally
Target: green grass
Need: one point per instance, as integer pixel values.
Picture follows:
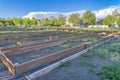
(103, 53)
(114, 48)
(92, 70)
(72, 74)
(110, 72)
(88, 64)
(90, 53)
(65, 64)
(115, 56)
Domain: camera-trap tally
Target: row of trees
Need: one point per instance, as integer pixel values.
(18, 21)
(111, 20)
(54, 21)
(88, 18)
(74, 19)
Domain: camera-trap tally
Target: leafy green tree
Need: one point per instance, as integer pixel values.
(74, 19)
(61, 20)
(109, 20)
(56, 22)
(1, 21)
(34, 21)
(88, 18)
(17, 21)
(45, 22)
(9, 21)
(118, 22)
(26, 22)
(52, 19)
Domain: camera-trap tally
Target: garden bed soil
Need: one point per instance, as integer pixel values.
(34, 54)
(13, 42)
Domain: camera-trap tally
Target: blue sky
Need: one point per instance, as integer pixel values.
(19, 8)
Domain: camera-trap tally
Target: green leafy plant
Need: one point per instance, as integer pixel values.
(89, 64)
(110, 72)
(115, 56)
(90, 52)
(65, 64)
(71, 74)
(113, 49)
(103, 53)
(18, 43)
(92, 70)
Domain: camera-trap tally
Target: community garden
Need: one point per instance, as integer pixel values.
(25, 52)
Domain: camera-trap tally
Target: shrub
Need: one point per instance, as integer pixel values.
(18, 43)
(110, 72)
(65, 64)
(90, 52)
(113, 49)
(103, 53)
(84, 63)
(115, 56)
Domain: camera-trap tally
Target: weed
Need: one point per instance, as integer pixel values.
(71, 74)
(115, 56)
(65, 64)
(110, 72)
(92, 70)
(113, 49)
(91, 39)
(84, 63)
(18, 43)
(90, 53)
(103, 53)
(50, 37)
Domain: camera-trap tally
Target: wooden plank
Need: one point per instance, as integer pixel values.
(8, 63)
(20, 68)
(21, 49)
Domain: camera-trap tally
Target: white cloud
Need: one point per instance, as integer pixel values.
(99, 13)
(40, 15)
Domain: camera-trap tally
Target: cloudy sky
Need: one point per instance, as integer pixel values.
(46, 8)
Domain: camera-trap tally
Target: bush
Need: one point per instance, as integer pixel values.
(65, 64)
(115, 56)
(18, 43)
(103, 53)
(90, 52)
(110, 72)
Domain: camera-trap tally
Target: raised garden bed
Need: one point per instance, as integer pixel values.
(17, 69)
(30, 38)
(91, 65)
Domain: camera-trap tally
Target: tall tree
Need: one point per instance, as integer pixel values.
(74, 19)
(56, 22)
(61, 20)
(118, 22)
(52, 19)
(17, 21)
(34, 21)
(45, 22)
(9, 21)
(26, 22)
(109, 20)
(88, 18)
(2, 23)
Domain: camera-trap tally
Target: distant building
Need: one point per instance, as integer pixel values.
(98, 26)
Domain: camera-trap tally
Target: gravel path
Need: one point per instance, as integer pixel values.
(76, 71)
